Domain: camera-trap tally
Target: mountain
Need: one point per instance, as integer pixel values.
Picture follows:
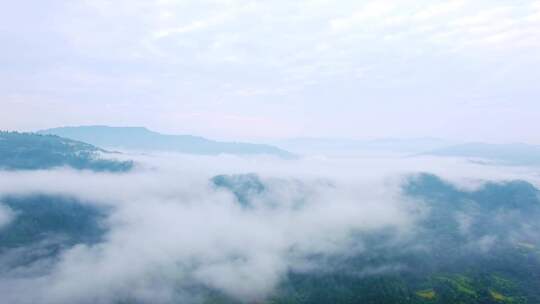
(243, 186)
(28, 151)
(508, 154)
(139, 138)
(470, 246)
(476, 246)
(45, 225)
(352, 146)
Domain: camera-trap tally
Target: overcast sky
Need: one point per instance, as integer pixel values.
(464, 69)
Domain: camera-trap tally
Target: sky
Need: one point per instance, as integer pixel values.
(231, 69)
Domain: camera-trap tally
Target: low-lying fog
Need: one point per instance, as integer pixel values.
(170, 229)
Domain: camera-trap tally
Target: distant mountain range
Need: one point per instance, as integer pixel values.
(140, 138)
(517, 154)
(29, 151)
(467, 246)
(353, 146)
(505, 154)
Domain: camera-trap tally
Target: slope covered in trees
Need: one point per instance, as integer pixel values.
(475, 246)
(28, 151)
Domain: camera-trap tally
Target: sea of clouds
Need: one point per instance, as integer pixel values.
(171, 231)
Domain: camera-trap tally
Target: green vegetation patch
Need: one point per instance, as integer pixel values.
(497, 296)
(428, 294)
(501, 283)
(460, 283)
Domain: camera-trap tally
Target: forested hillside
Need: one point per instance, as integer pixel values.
(28, 151)
(471, 247)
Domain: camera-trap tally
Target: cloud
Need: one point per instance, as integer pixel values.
(171, 230)
(374, 11)
(151, 59)
(184, 29)
(6, 215)
(439, 9)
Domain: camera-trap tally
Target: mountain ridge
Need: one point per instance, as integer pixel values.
(509, 154)
(31, 151)
(142, 138)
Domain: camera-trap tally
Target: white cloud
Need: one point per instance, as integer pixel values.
(184, 29)
(440, 9)
(281, 56)
(375, 12)
(6, 215)
(170, 228)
